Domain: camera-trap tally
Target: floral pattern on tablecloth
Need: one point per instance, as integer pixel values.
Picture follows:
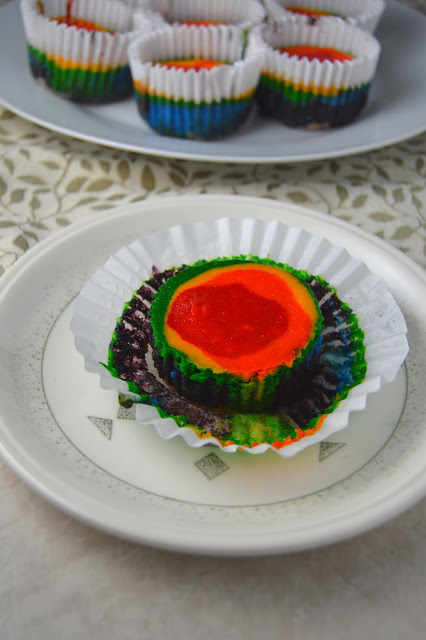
(48, 181)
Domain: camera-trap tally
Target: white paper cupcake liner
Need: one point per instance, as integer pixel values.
(243, 13)
(202, 104)
(79, 63)
(362, 13)
(102, 298)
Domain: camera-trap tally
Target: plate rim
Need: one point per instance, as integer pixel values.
(407, 494)
(214, 157)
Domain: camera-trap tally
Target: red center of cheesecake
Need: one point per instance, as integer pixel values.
(228, 320)
(317, 53)
(244, 319)
(315, 13)
(194, 63)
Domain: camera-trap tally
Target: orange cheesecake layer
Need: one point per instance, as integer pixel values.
(317, 53)
(314, 13)
(197, 64)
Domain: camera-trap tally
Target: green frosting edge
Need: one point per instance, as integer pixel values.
(289, 91)
(81, 82)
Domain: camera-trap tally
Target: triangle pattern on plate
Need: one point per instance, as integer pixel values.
(328, 448)
(127, 413)
(104, 425)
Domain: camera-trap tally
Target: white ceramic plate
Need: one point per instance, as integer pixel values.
(395, 110)
(69, 440)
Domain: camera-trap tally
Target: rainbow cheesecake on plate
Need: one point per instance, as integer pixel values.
(242, 349)
(231, 333)
(196, 82)
(364, 14)
(316, 73)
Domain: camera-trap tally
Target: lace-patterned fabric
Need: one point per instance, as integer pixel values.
(48, 181)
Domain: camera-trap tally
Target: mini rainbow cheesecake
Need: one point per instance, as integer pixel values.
(242, 13)
(212, 341)
(308, 79)
(79, 49)
(244, 349)
(196, 81)
(364, 14)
